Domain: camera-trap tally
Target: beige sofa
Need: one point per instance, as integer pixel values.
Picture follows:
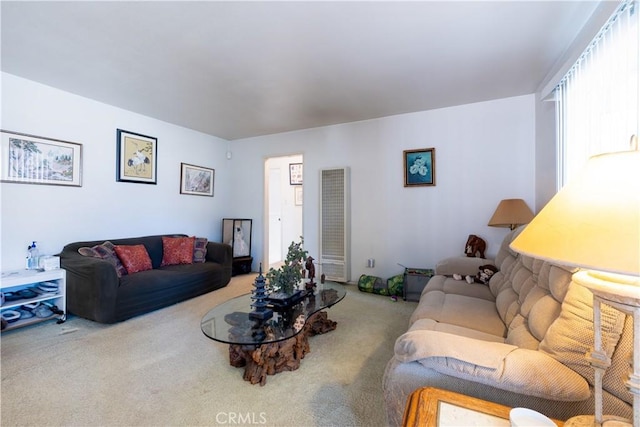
(521, 341)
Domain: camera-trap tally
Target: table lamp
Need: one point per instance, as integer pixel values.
(511, 213)
(594, 223)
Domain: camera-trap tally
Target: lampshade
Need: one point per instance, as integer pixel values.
(594, 221)
(511, 213)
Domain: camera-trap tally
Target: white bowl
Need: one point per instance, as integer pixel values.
(523, 417)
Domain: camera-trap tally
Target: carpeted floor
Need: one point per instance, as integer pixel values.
(159, 369)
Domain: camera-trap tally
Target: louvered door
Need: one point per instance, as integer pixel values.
(334, 224)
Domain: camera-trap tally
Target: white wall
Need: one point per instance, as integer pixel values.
(545, 153)
(103, 208)
(485, 152)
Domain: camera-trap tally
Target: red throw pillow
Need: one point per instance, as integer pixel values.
(177, 250)
(134, 257)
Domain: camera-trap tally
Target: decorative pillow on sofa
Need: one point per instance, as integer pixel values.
(177, 250)
(106, 252)
(199, 249)
(135, 258)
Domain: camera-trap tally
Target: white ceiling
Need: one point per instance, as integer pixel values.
(242, 69)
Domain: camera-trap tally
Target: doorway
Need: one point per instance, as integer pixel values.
(283, 210)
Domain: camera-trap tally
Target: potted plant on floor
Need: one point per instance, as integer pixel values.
(283, 282)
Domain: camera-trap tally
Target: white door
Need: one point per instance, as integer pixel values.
(275, 216)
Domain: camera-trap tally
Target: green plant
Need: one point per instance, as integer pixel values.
(286, 278)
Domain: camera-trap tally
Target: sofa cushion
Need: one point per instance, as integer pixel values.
(552, 282)
(177, 250)
(505, 253)
(449, 285)
(199, 249)
(524, 277)
(505, 261)
(533, 300)
(460, 310)
(542, 315)
(570, 336)
(461, 265)
(106, 252)
(134, 257)
(432, 325)
(507, 305)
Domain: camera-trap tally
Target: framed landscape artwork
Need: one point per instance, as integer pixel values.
(420, 167)
(137, 158)
(30, 159)
(196, 180)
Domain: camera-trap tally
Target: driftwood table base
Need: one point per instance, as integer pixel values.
(272, 358)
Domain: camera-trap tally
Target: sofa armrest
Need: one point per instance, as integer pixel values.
(92, 286)
(419, 344)
(499, 365)
(461, 265)
(220, 253)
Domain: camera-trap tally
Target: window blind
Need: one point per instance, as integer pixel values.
(598, 100)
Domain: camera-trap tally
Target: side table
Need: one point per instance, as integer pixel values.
(415, 279)
(431, 407)
(241, 265)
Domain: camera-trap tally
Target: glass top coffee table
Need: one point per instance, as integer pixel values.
(266, 347)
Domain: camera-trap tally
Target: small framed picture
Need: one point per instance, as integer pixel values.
(137, 158)
(297, 195)
(295, 173)
(420, 167)
(196, 180)
(38, 160)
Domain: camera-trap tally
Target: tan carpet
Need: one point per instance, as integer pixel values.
(160, 370)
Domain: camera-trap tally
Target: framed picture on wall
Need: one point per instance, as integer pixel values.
(236, 232)
(196, 180)
(295, 173)
(419, 167)
(297, 195)
(38, 160)
(137, 157)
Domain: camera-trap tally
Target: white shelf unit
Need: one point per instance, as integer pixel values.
(17, 280)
